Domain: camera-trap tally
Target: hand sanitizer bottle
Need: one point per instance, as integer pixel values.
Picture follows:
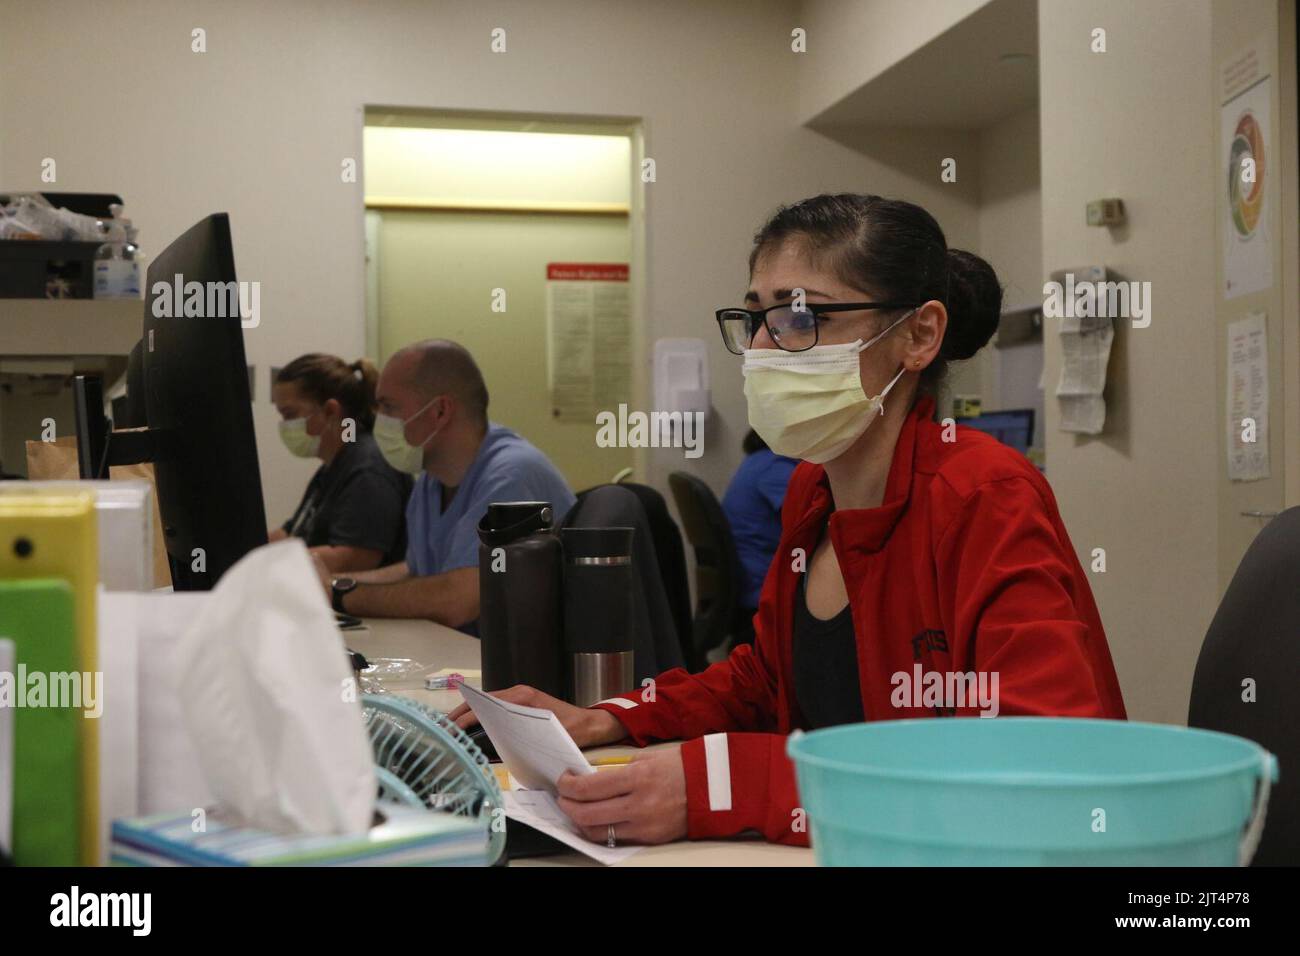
(117, 260)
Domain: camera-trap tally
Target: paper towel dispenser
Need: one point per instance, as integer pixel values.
(681, 376)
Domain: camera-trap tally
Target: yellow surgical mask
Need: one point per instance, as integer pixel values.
(811, 404)
(293, 433)
(390, 436)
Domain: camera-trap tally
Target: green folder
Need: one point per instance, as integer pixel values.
(38, 616)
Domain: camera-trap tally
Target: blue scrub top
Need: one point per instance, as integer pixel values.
(506, 468)
(753, 507)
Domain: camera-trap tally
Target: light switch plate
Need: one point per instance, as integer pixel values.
(1106, 212)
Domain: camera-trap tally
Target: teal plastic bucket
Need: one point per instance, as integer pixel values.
(1030, 791)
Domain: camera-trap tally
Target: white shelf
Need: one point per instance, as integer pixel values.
(70, 326)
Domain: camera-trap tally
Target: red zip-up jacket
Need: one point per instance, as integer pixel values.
(964, 568)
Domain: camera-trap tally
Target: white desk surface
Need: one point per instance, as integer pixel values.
(436, 647)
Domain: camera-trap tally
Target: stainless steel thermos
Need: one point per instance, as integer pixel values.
(555, 609)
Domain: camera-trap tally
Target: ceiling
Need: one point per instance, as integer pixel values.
(980, 71)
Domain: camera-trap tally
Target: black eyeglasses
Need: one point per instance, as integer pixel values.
(794, 330)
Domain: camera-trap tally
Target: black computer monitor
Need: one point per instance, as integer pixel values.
(93, 428)
(133, 413)
(196, 395)
(198, 409)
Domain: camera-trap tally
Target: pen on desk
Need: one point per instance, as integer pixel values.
(444, 681)
(610, 761)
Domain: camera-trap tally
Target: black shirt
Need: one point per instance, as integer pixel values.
(825, 665)
(356, 500)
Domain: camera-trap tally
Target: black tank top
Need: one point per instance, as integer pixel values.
(825, 666)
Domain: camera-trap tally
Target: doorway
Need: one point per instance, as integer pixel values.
(466, 219)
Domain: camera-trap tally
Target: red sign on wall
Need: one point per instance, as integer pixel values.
(587, 271)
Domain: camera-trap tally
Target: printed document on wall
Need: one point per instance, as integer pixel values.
(1248, 155)
(1247, 417)
(1085, 354)
(588, 350)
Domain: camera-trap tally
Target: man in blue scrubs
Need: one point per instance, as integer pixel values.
(433, 424)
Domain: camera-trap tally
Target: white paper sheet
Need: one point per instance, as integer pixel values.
(532, 742)
(1085, 414)
(1086, 346)
(1085, 355)
(536, 750)
(539, 810)
(1247, 398)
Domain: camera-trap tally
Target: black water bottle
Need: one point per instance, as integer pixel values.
(598, 613)
(520, 595)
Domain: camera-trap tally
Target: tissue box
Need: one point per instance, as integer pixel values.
(406, 837)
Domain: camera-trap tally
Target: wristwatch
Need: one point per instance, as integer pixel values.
(338, 588)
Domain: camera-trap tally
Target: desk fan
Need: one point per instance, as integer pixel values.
(422, 759)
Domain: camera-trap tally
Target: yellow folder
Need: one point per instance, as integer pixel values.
(49, 534)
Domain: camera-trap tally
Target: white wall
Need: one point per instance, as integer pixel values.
(1010, 205)
(260, 123)
(852, 41)
(1239, 25)
(1136, 122)
(1011, 239)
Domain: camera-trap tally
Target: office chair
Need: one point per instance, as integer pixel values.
(657, 641)
(670, 553)
(717, 567)
(1255, 635)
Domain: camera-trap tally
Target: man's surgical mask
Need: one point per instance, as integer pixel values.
(401, 455)
(811, 404)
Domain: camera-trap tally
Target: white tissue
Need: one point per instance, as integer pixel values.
(268, 700)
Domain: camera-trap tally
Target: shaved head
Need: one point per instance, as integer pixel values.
(442, 367)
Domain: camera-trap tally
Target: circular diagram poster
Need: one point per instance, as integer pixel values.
(1247, 251)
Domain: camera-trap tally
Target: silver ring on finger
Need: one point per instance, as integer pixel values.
(609, 839)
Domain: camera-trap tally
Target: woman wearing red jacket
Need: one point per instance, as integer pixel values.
(923, 568)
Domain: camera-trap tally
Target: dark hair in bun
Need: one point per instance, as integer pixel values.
(974, 305)
(322, 377)
(897, 250)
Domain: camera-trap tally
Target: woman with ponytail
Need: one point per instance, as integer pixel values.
(353, 512)
(923, 568)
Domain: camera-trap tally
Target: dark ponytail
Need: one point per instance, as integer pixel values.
(897, 250)
(322, 377)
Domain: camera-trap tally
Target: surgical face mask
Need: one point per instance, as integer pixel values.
(401, 455)
(293, 433)
(811, 404)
